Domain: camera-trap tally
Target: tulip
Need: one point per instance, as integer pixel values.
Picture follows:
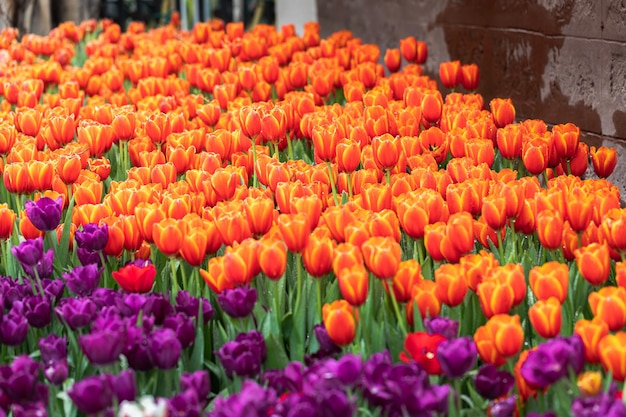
(545, 317)
(503, 111)
(409, 274)
(386, 151)
(604, 160)
(612, 353)
(104, 344)
(194, 246)
(591, 332)
(237, 302)
(136, 277)
(536, 155)
(470, 76)
(83, 280)
(45, 213)
(451, 285)
(7, 220)
(393, 59)
(566, 138)
(495, 297)
(164, 348)
(550, 280)
(92, 395)
(241, 263)
(609, 304)
(317, 256)
(550, 229)
(76, 312)
(423, 349)
(382, 256)
(450, 74)
(353, 284)
(273, 257)
(457, 356)
(423, 295)
(594, 263)
(508, 334)
(340, 320)
(295, 230)
(492, 383)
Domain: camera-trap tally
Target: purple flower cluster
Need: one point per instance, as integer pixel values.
(237, 302)
(244, 355)
(90, 242)
(45, 214)
(603, 404)
(36, 263)
(22, 392)
(553, 360)
(195, 389)
(97, 394)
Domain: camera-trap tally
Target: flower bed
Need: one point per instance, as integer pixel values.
(227, 223)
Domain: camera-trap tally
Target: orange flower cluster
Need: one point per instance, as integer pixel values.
(249, 145)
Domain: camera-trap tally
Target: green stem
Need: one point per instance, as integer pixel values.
(388, 176)
(299, 278)
(349, 184)
(332, 183)
(289, 147)
(318, 312)
(255, 178)
(174, 281)
(500, 246)
(396, 309)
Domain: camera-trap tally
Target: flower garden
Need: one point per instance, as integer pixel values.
(227, 223)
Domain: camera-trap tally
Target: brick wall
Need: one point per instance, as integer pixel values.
(559, 60)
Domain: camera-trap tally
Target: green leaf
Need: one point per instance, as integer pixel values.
(276, 357)
(197, 355)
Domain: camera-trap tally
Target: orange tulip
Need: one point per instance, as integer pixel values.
(480, 151)
(536, 155)
(502, 111)
(460, 230)
(549, 280)
(591, 332)
(550, 229)
(354, 284)
(310, 205)
(260, 214)
(494, 211)
(393, 59)
(484, 338)
(7, 219)
(495, 297)
(88, 192)
(409, 275)
(386, 151)
(348, 153)
(508, 335)
(340, 321)
(546, 317)
(509, 140)
(594, 263)
(612, 349)
(28, 121)
(241, 262)
(451, 285)
(132, 237)
(346, 255)
(566, 138)
(435, 142)
(604, 160)
(194, 246)
(609, 304)
(115, 243)
(295, 230)
(214, 275)
(62, 128)
(470, 76)
(477, 266)
(376, 197)
(325, 140)
(382, 256)
(423, 295)
(272, 257)
(318, 256)
(450, 73)
(168, 236)
(412, 216)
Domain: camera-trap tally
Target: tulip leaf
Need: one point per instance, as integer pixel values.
(62, 253)
(276, 355)
(197, 355)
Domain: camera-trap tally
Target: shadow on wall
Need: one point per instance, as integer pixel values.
(515, 43)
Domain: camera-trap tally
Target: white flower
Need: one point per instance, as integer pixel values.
(145, 407)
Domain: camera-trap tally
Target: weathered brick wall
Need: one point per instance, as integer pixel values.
(559, 60)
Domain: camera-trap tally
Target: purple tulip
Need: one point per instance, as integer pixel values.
(326, 344)
(45, 213)
(105, 343)
(199, 382)
(185, 404)
(130, 304)
(137, 351)
(244, 355)
(19, 380)
(124, 386)
(29, 410)
(164, 348)
(190, 305)
(105, 297)
(14, 326)
(29, 252)
(76, 312)
(457, 356)
(53, 288)
(43, 269)
(504, 407)
(38, 311)
(83, 280)
(598, 405)
(183, 326)
(158, 307)
(237, 302)
(52, 348)
(444, 326)
(252, 400)
(86, 257)
(93, 394)
(552, 361)
(492, 383)
(92, 237)
(56, 372)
